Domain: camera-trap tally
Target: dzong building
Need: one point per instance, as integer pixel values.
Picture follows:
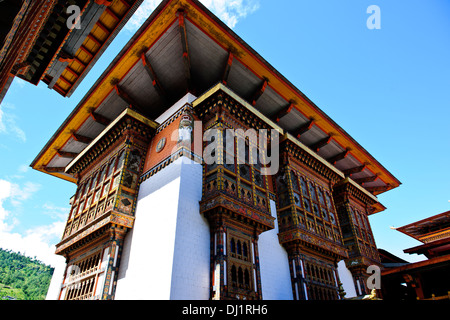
(151, 219)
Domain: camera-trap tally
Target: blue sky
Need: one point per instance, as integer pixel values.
(388, 88)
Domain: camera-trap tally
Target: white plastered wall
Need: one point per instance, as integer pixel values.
(54, 289)
(166, 254)
(274, 264)
(346, 279)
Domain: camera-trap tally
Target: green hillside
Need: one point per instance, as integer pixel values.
(23, 278)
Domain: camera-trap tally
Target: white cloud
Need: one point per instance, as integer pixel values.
(8, 123)
(5, 193)
(19, 194)
(56, 212)
(37, 241)
(229, 11)
(23, 168)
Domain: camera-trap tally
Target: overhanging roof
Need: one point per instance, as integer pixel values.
(40, 45)
(173, 53)
(423, 229)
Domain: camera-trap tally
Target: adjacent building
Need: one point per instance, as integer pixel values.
(425, 279)
(57, 41)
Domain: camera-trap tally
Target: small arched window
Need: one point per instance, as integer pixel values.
(233, 274)
(245, 250)
(240, 276)
(239, 247)
(232, 246)
(246, 278)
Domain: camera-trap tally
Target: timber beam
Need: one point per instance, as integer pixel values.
(283, 112)
(320, 144)
(358, 169)
(227, 70)
(99, 118)
(259, 92)
(54, 169)
(366, 179)
(128, 99)
(155, 81)
(304, 128)
(378, 189)
(339, 157)
(185, 46)
(64, 154)
(82, 139)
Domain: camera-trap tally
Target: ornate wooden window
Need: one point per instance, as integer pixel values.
(363, 233)
(83, 277)
(306, 201)
(241, 264)
(320, 280)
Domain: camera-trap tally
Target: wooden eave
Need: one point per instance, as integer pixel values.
(211, 44)
(421, 229)
(245, 104)
(127, 112)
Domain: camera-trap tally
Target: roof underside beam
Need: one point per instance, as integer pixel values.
(100, 119)
(64, 154)
(320, 144)
(378, 189)
(283, 112)
(54, 169)
(259, 92)
(338, 157)
(228, 66)
(366, 179)
(155, 81)
(185, 46)
(304, 128)
(82, 139)
(354, 170)
(128, 99)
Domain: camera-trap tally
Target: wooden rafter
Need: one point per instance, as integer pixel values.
(304, 128)
(128, 99)
(54, 169)
(99, 118)
(155, 81)
(65, 154)
(358, 169)
(185, 46)
(259, 92)
(378, 189)
(81, 138)
(320, 144)
(283, 112)
(338, 157)
(366, 179)
(227, 70)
